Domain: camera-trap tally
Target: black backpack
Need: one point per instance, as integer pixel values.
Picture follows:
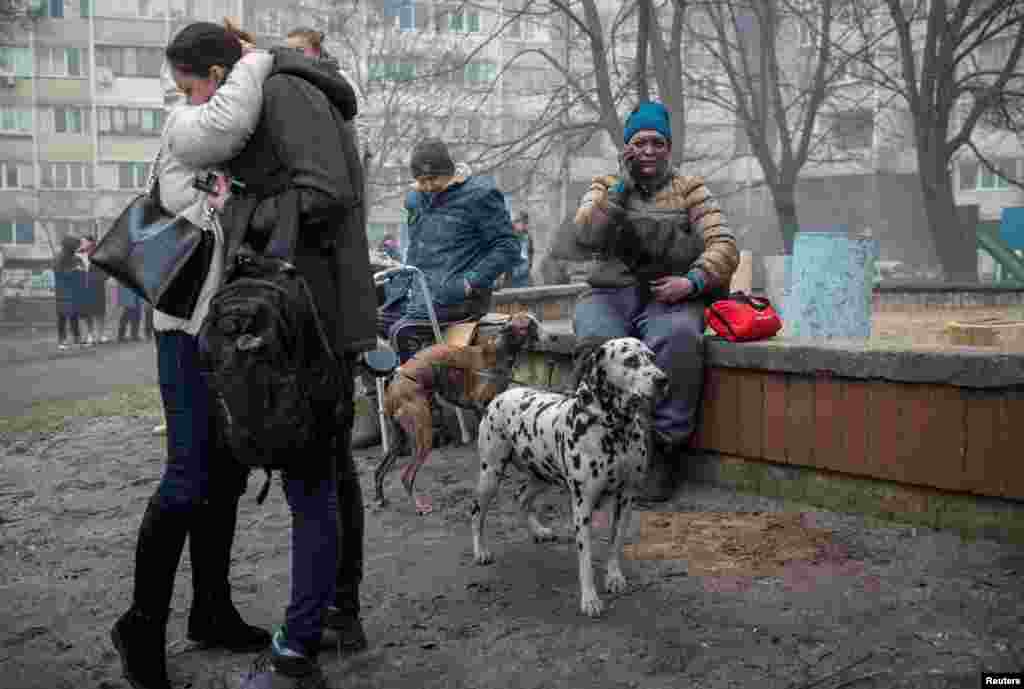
(272, 372)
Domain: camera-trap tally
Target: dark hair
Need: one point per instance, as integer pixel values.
(65, 260)
(312, 36)
(200, 46)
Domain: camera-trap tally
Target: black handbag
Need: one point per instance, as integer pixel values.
(163, 258)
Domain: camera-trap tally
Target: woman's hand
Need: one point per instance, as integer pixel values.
(671, 289)
(246, 47)
(222, 188)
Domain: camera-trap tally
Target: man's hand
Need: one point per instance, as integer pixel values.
(222, 188)
(671, 289)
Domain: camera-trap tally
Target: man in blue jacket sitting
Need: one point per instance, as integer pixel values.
(460, 235)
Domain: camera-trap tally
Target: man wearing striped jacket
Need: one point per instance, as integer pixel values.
(661, 250)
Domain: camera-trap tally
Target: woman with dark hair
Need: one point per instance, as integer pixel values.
(197, 497)
(302, 177)
(65, 279)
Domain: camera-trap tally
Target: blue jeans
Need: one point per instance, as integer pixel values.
(197, 469)
(674, 332)
(313, 502)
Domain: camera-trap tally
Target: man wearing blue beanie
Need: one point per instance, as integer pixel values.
(662, 252)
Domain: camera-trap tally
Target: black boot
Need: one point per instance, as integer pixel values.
(140, 635)
(663, 470)
(214, 621)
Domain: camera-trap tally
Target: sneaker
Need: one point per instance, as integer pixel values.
(63, 346)
(288, 661)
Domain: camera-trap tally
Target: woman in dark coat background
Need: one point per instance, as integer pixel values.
(67, 283)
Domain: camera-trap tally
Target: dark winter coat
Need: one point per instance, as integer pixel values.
(461, 233)
(303, 160)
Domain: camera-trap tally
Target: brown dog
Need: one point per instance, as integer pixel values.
(468, 377)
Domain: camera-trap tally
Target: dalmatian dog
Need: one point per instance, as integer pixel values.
(593, 443)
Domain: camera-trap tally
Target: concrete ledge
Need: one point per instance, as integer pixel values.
(960, 366)
(972, 516)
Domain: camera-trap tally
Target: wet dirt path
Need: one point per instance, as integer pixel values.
(896, 606)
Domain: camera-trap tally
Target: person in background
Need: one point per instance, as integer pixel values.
(96, 290)
(458, 232)
(131, 313)
(66, 276)
(310, 43)
(520, 275)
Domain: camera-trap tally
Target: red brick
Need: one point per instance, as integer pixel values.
(984, 459)
(1012, 454)
(931, 441)
(856, 414)
(727, 397)
(887, 429)
(800, 421)
(829, 425)
(749, 418)
(773, 445)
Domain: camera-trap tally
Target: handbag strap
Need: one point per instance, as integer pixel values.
(757, 303)
(724, 321)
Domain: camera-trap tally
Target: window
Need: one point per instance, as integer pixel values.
(132, 175)
(15, 120)
(15, 175)
(66, 120)
(65, 175)
(130, 61)
(480, 72)
(54, 9)
(13, 232)
(270, 22)
(977, 177)
(16, 61)
(989, 180)
(60, 62)
(464, 21)
(391, 71)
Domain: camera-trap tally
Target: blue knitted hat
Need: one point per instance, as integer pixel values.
(648, 115)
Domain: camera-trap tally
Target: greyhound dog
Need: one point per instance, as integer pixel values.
(468, 377)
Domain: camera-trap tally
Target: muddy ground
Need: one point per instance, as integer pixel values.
(883, 606)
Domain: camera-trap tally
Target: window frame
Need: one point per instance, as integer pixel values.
(15, 227)
(49, 171)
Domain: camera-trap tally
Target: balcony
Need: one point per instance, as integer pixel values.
(62, 90)
(132, 31)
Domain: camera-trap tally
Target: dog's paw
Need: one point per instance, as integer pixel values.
(591, 605)
(544, 534)
(614, 582)
(484, 557)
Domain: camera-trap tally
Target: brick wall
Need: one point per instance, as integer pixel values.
(942, 436)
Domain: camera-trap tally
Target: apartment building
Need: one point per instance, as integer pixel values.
(81, 111)
(82, 105)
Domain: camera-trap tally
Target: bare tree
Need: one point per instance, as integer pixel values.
(955, 86)
(776, 87)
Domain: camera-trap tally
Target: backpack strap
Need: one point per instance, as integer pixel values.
(286, 233)
(265, 488)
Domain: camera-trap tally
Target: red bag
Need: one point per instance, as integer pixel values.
(741, 318)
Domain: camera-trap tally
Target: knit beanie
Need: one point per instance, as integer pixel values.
(648, 115)
(431, 157)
